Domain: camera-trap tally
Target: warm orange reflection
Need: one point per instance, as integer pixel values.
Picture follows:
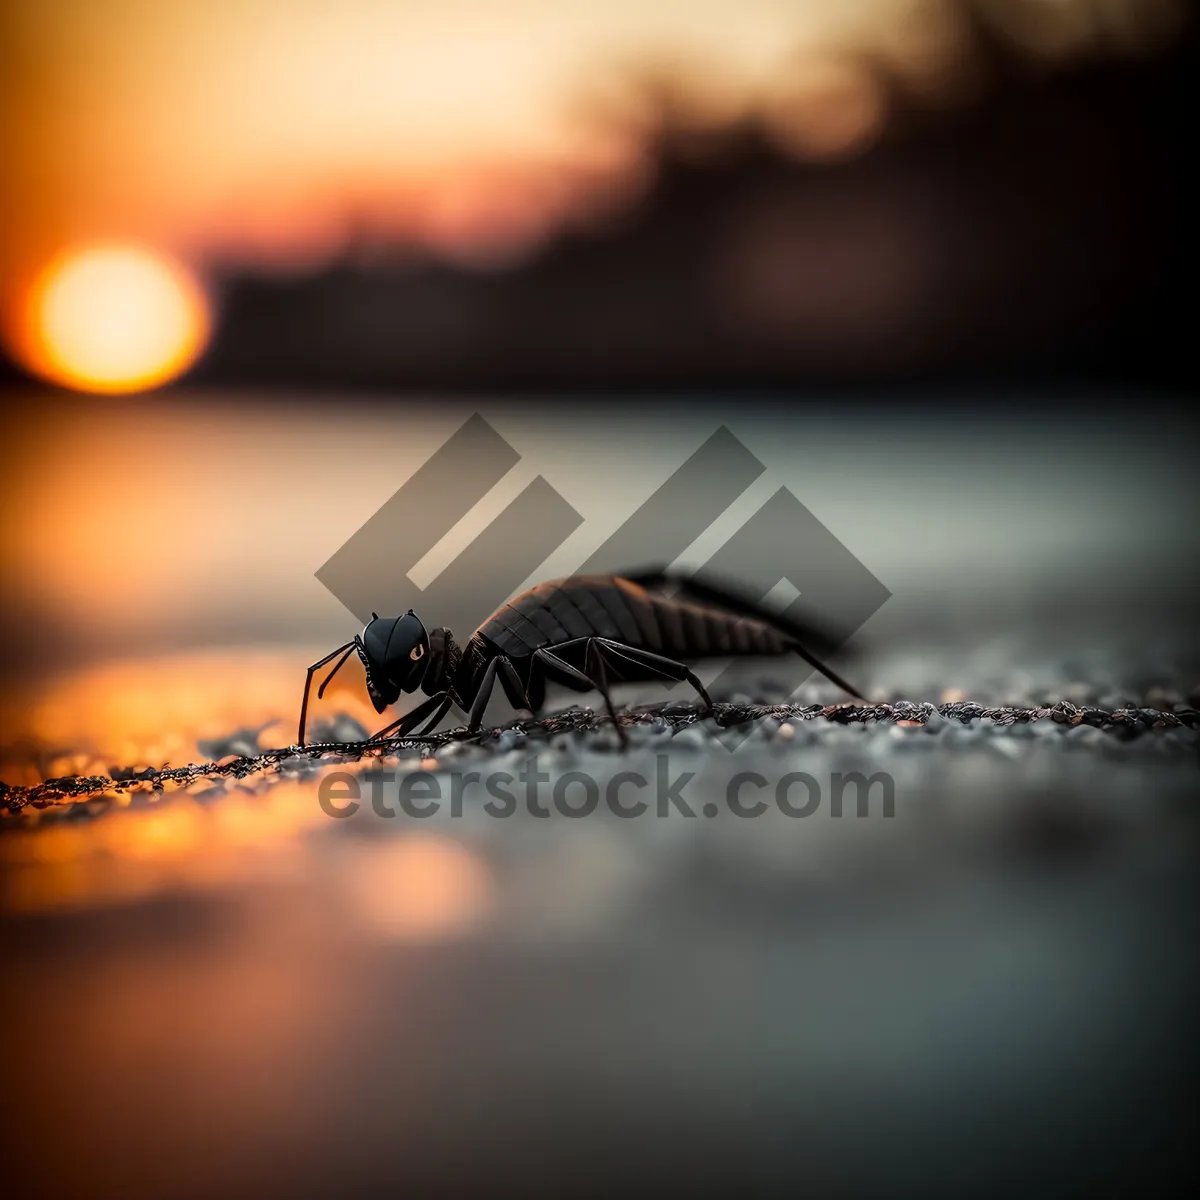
(394, 886)
(417, 888)
(136, 847)
(115, 319)
(157, 711)
(220, 833)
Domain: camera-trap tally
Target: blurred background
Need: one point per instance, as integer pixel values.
(548, 194)
(931, 261)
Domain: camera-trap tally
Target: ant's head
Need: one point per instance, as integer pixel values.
(395, 654)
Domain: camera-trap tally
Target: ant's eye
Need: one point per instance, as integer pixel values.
(417, 653)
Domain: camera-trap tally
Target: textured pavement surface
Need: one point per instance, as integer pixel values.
(222, 988)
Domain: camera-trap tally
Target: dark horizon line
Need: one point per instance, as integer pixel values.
(1078, 386)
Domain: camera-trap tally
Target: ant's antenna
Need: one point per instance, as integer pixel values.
(308, 682)
(340, 664)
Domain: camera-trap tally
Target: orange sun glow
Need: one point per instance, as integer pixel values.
(115, 319)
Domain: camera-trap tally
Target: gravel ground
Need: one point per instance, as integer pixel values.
(990, 987)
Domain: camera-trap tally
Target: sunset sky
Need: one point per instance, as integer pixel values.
(263, 126)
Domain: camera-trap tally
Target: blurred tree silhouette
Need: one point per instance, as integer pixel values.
(1010, 200)
(1041, 228)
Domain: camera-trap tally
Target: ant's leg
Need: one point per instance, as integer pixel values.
(547, 658)
(308, 685)
(543, 662)
(407, 723)
(595, 654)
(437, 717)
(820, 666)
(375, 737)
(578, 680)
(482, 696)
(666, 667)
(513, 687)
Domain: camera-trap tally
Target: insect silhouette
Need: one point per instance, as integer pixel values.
(584, 632)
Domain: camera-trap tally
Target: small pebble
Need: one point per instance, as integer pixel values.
(343, 728)
(298, 766)
(689, 739)
(1006, 748)
(1163, 699)
(964, 734)
(1047, 729)
(244, 743)
(1086, 735)
(604, 741)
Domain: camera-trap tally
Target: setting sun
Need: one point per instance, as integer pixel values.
(115, 319)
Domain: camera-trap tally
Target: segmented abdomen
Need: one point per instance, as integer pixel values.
(608, 606)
